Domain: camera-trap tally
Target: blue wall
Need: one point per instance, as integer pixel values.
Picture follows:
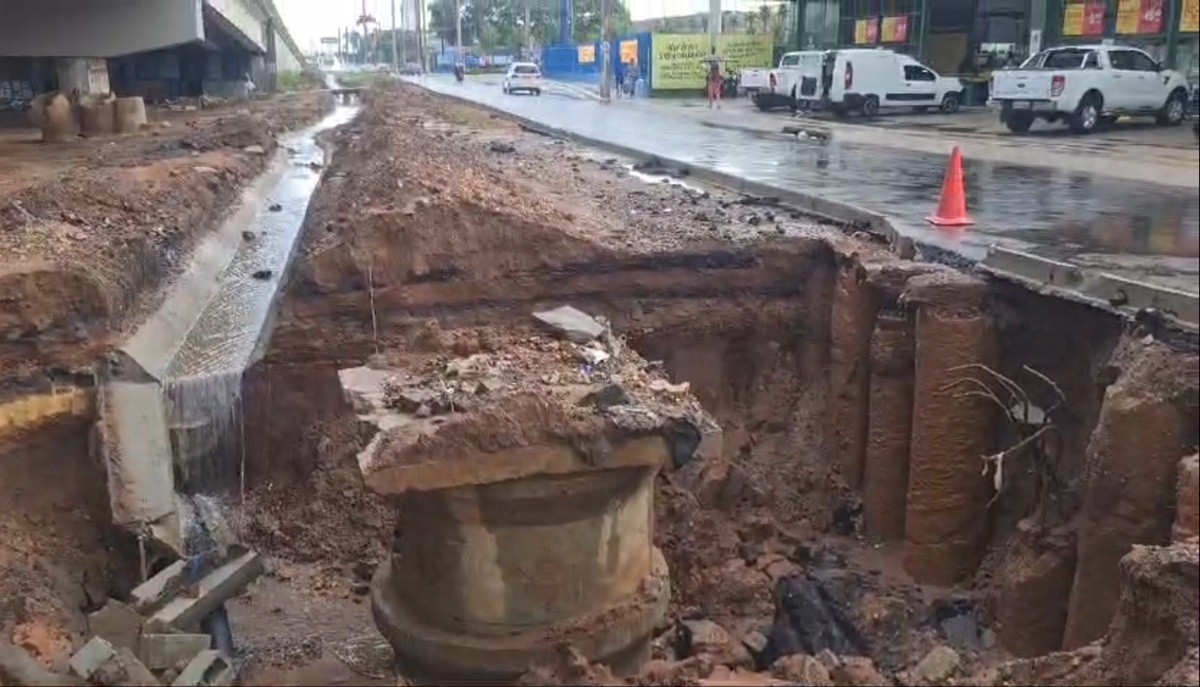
(562, 61)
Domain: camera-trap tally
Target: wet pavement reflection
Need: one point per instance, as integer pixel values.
(1109, 224)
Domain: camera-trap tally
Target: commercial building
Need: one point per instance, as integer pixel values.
(972, 36)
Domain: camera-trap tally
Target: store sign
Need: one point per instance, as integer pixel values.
(1140, 16)
(628, 50)
(743, 50)
(1084, 18)
(587, 54)
(678, 60)
(866, 31)
(894, 29)
(1189, 16)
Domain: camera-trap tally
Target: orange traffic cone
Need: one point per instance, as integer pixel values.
(952, 206)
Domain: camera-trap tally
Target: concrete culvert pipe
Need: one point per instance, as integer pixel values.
(495, 576)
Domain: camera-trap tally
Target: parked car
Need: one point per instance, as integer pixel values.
(1086, 86)
(779, 87)
(870, 80)
(523, 76)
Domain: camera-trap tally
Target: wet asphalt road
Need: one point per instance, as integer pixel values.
(1136, 230)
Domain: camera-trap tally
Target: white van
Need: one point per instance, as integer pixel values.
(868, 80)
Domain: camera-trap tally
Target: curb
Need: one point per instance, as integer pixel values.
(1118, 295)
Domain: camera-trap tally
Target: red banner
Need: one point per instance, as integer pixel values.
(1093, 18)
(1150, 17)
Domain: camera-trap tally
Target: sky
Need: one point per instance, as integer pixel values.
(309, 20)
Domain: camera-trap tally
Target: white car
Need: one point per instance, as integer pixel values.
(869, 80)
(1088, 85)
(523, 76)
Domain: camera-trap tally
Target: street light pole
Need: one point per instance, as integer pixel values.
(606, 10)
(395, 39)
(458, 34)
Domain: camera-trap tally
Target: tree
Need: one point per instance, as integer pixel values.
(497, 24)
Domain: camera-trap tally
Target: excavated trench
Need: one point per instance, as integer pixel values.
(857, 395)
(844, 504)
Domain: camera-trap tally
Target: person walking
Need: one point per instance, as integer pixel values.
(714, 81)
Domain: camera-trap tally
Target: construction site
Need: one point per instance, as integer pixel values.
(382, 387)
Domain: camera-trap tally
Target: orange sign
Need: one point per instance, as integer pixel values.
(894, 29)
(628, 51)
(866, 31)
(1189, 16)
(1140, 16)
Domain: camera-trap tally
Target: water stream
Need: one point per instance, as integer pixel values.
(202, 382)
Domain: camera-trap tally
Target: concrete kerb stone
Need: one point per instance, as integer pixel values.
(1099, 290)
(217, 587)
(91, 656)
(1028, 267)
(209, 667)
(163, 651)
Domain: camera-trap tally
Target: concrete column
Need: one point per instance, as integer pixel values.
(945, 512)
(853, 319)
(87, 76)
(885, 468)
(1132, 469)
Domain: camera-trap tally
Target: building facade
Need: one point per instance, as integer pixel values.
(971, 37)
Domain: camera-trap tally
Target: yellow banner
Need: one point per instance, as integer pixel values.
(741, 51)
(587, 54)
(1189, 16)
(1073, 19)
(629, 51)
(677, 60)
(1127, 16)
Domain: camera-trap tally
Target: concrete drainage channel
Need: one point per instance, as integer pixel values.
(170, 409)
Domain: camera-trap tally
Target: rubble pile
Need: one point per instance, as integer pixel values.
(173, 629)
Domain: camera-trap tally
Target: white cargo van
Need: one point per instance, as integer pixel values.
(869, 80)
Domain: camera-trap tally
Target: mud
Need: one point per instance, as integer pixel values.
(827, 362)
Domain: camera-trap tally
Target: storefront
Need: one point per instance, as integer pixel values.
(1167, 29)
(970, 38)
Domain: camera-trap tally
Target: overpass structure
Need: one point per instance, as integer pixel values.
(154, 48)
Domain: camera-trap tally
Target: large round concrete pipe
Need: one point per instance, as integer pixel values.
(490, 579)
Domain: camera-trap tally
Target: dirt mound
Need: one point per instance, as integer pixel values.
(1152, 639)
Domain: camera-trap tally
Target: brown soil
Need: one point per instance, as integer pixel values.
(88, 231)
(438, 229)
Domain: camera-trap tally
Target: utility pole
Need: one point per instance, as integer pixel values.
(527, 37)
(714, 22)
(606, 11)
(395, 40)
(458, 53)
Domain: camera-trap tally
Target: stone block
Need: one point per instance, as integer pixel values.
(118, 623)
(91, 656)
(183, 613)
(939, 664)
(155, 592)
(162, 651)
(570, 323)
(124, 669)
(209, 667)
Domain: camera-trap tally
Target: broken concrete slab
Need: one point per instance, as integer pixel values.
(184, 613)
(118, 623)
(155, 592)
(209, 667)
(163, 651)
(91, 656)
(124, 669)
(572, 324)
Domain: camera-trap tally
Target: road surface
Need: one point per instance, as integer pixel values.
(1133, 229)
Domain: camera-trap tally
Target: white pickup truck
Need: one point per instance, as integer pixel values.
(1088, 85)
(780, 87)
